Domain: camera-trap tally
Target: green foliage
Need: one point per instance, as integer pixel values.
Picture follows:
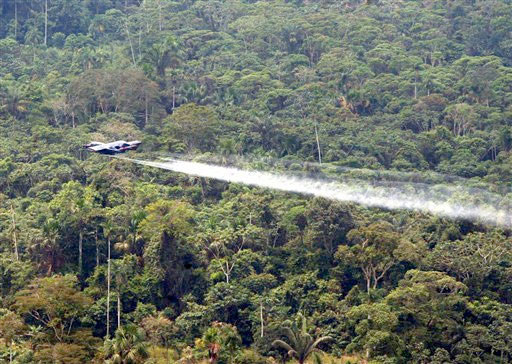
(376, 250)
(14, 275)
(300, 344)
(220, 343)
(127, 346)
(194, 125)
(411, 87)
(374, 325)
(53, 302)
(11, 328)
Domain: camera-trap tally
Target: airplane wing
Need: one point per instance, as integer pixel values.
(119, 146)
(106, 149)
(98, 148)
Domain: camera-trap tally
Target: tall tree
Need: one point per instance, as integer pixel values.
(375, 250)
(73, 206)
(107, 231)
(123, 270)
(55, 303)
(163, 54)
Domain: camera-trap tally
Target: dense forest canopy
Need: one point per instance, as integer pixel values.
(104, 261)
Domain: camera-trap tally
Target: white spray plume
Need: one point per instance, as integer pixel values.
(454, 202)
(329, 169)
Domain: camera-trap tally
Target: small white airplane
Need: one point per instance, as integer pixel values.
(117, 147)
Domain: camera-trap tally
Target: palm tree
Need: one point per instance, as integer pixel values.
(300, 343)
(14, 100)
(130, 243)
(127, 346)
(164, 54)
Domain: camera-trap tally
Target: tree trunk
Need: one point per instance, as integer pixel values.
(46, 22)
(140, 43)
(368, 277)
(80, 242)
(14, 237)
(318, 145)
(173, 97)
(131, 45)
(261, 319)
(108, 290)
(118, 308)
(146, 110)
(97, 249)
(160, 15)
(15, 19)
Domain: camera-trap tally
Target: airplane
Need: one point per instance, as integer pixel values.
(117, 147)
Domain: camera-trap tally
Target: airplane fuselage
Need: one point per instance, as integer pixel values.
(117, 147)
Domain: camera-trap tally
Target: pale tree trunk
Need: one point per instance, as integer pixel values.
(368, 277)
(15, 19)
(382, 273)
(14, 237)
(318, 145)
(159, 15)
(140, 43)
(108, 289)
(46, 22)
(227, 270)
(261, 319)
(97, 249)
(131, 45)
(146, 110)
(415, 85)
(80, 258)
(118, 308)
(375, 280)
(173, 97)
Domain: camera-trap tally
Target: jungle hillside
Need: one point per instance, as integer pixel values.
(105, 261)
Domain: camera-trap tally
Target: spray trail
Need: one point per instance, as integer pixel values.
(448, 201)
(323, 170)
